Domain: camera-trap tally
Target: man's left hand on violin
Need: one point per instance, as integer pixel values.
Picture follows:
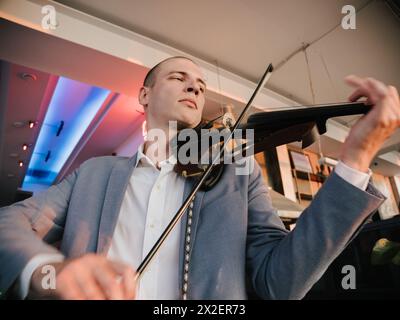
(369, 133)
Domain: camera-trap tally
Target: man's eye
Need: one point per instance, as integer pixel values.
(178, 78)
(202, 89)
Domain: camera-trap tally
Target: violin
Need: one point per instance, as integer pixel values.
(271, 129)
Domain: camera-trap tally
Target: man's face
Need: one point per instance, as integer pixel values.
(177, 94)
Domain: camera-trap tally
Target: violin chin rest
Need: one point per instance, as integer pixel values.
(213, 178)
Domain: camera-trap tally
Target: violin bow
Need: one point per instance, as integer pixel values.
(144, 264)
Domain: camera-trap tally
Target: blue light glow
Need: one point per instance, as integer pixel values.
(76, 104)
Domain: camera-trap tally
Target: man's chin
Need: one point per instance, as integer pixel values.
(184, 125)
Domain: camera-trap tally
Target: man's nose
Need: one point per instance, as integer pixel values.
(193, 88)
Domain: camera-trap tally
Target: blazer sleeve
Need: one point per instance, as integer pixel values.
(29, 227)
(285, 265)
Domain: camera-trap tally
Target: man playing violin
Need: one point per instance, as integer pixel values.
(97, 225)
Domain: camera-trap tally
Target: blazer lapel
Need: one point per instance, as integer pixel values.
(117, 184)
(189, 184)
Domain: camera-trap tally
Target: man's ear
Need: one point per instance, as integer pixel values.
(143, 96)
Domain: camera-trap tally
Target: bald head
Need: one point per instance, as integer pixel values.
(151, 75)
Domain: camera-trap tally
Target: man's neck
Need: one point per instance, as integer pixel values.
(156, 152)
(157, 145)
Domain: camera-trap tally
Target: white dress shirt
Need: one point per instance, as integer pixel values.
(151, 200)
(153, 196)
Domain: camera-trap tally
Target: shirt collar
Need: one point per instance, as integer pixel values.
(144, 160)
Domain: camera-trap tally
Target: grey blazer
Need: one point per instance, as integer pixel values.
(236, 234)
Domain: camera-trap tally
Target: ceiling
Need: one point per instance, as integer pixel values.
(27, 99)
(238, 36)
(16, 111)
(243, 36)
(23, 100)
